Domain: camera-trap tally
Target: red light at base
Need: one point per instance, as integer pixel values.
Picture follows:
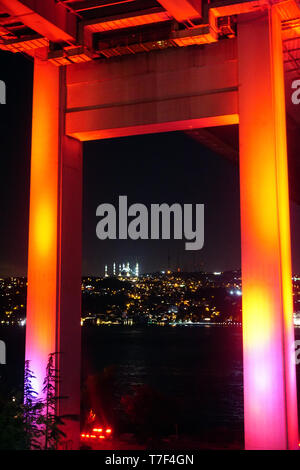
(98, 432)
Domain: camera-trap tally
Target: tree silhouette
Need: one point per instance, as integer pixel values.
(32, 409)
(51, 421)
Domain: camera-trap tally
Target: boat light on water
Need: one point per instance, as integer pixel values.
(97, 433)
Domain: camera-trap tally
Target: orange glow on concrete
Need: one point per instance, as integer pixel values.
(44, 228)
(49, 19)
(269, 372)
(151, 128)
(284, 239)
(193, 40)
(127, 22)
(176, 94)
(54, 252)
(183, 10)
(42, 252)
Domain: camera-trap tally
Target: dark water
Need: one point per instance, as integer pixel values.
(201, 367)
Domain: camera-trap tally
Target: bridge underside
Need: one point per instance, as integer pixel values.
(225, 79)
(156, 92)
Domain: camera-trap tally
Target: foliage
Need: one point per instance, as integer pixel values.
(50, 420)
(12, 432)
(29, 422)
(32, 409)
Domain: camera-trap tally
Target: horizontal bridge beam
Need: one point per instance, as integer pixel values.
(172, 90)
(183, 10)
(48, 18)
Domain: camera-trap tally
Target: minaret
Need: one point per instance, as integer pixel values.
(105, 271)
(120, 270)
(114, 269)
(137, 269)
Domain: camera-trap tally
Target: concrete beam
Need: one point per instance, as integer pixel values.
(183, 10)
(177, 89)
(128, 20)
(48, 18)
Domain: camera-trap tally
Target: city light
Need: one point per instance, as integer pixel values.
(236, 292)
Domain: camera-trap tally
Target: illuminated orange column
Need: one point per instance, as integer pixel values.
(54, 255)
(269, 372)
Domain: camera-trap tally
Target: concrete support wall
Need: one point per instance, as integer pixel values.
(175, 89)
(54, 255)
(270, 397)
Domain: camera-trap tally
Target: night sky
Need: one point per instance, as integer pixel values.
(148, 169)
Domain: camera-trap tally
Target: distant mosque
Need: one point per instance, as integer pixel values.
(124, 270)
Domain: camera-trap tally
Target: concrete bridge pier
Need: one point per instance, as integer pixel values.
(270, 394)
(54, 256)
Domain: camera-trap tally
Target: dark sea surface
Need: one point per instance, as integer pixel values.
(200, 366)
